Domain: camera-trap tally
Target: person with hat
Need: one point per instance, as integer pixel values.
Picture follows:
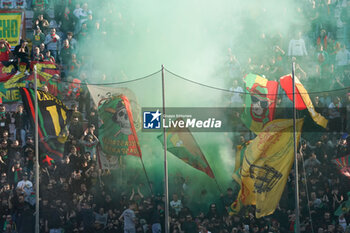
(25, 185)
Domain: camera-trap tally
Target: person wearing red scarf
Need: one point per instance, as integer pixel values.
(5, 50)
(322, 39)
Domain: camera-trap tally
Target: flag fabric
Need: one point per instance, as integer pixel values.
(106, 162)
(343, 163)
(344, 207)
(101, 92)
(302, 98)
(117, 134)
(266, 165)
(48, 160)
(240, 151)
(52, 120)
(182, 144)
(260, 102)
(11, 81)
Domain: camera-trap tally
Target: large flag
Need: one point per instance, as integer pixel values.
(101, 92)
(302, 98)
(343, 164)
(240, 151)
(260, 102)
(181, 143)
(52, 120)
(266, 165)
(117, 134)
(13, 26)
(106, 162)
(11, 81)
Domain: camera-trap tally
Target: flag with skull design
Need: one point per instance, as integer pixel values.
(260, 102)
(117, 134)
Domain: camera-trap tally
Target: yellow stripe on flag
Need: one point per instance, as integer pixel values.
(317, 117)
(267, 163)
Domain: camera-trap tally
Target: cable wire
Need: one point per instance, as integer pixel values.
(244, 93)
(123, 82)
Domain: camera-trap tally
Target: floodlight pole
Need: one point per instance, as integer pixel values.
(297, 211)
(37, 226)
(166, 184)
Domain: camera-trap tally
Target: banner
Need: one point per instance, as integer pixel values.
(106, 162)
(181, 143)
(302, 98)
(260, 102)
(12, 26)
(117, 134)
(10, 81)
(343, 164)
(99, 92)
(52, 120)
(266, 165)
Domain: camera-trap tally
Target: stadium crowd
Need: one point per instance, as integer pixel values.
(77, 196)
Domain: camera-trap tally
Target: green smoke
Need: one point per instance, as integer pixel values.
(191, 38)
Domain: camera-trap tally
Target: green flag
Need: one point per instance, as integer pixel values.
(181, 143)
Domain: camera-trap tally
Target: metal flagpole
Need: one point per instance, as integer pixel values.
(297, 219)
(166, 185)
(37, 227)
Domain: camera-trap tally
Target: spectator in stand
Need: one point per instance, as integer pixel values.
(5, 119)
(89, 143)
(21, 125)
(342, 60)
(311, 162)
(129, 217)
(48, 57)
(52, 42)
(42, 23)
(65, 55)
(37, 56)
(76, 128)
(42, 48)
(38, 37)
(176, 205)
(322, 62)
(236, 95)
(81, 14)
(5, 50)
(67, 21)
(21, 54)
(93, 117)
(74, 66)
(72, 42)
(84, 97)
(21, 4)
(322, 39)
(74, 89)
(39, 7)
(76, 114)
(334, 112)
(7, 4)
(297, 47)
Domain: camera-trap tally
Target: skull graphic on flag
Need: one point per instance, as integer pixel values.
(117, 134)
(260, 102)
